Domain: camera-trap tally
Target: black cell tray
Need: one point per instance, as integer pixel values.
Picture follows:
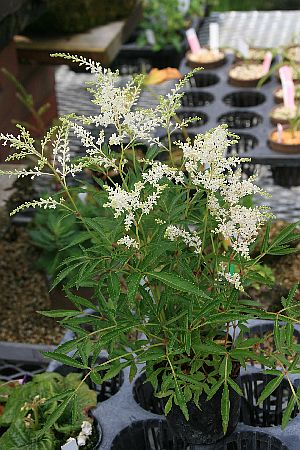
(245, 110)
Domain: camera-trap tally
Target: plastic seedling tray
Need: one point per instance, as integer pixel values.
(245, 110)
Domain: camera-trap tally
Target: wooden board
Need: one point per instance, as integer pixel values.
(101, 43)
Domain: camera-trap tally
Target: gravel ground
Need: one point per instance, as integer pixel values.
(23, 292)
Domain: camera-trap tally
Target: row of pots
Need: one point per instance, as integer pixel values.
(183, 435)
(248, 73)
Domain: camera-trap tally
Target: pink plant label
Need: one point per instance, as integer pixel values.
(279, 133)
(193, 40)
(285, 74)
(267, 62)
(289, 95)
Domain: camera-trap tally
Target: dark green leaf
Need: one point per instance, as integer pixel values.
(65, 359)
(270, 387)
(288, 412)
(178, 283)
(225, 407)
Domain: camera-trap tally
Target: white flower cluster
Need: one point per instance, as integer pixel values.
(48, 203)
(128, 242)
(233, 278)
(94, 150)
(208, 167)
(158, 170)
(238, 224)
(85, 433)
(189, 238)
(131, 203)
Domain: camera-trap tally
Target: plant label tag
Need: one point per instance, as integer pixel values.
(184, 6)
(193, 40)
(289, 95)
(285, 74)
(243, 49)
(279, 133)
(150, 36)
(267, 62)
(214, 37)
(70, 445)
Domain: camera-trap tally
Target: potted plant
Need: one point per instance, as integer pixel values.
(206, 58)
(172, 266)
(283, 114)
(255, 55)
(278, 94)
(288, 140)
(246, 74)
(160, 39)
(293, 53)
(32, 416)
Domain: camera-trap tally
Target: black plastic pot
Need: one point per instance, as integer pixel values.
(270, 412)
(286, 176)
(156, 435)
(144, 395)
(251, 440)
(204, 425)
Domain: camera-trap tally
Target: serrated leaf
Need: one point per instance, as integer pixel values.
(133, 283)
(132, 372)
(270, 387)
(181, 402)
(113, 286)
(58, 313)
(78, 300)
(82, 237)
(265, 242)
(64, 273)
(54, 416)
(214, 389)
(225, 408)
(286, 232)
(178, 283)
(278, 251)
(114, 371)
(235, 386)
(96, 378)
(65, 359)
(168, 405)
(95, 224)
(288, 412)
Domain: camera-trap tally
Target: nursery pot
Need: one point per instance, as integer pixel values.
(205, 424)
(278, 94)
(287, 145)
(255, 55)
(238, 79)
(208, 59)
(280, 114)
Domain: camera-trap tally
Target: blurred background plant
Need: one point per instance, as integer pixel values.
(248, 5)
(167, 23)
(29, 407)
(82, 15)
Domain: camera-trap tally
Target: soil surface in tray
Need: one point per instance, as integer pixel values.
(23, 291)
(288, 137)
